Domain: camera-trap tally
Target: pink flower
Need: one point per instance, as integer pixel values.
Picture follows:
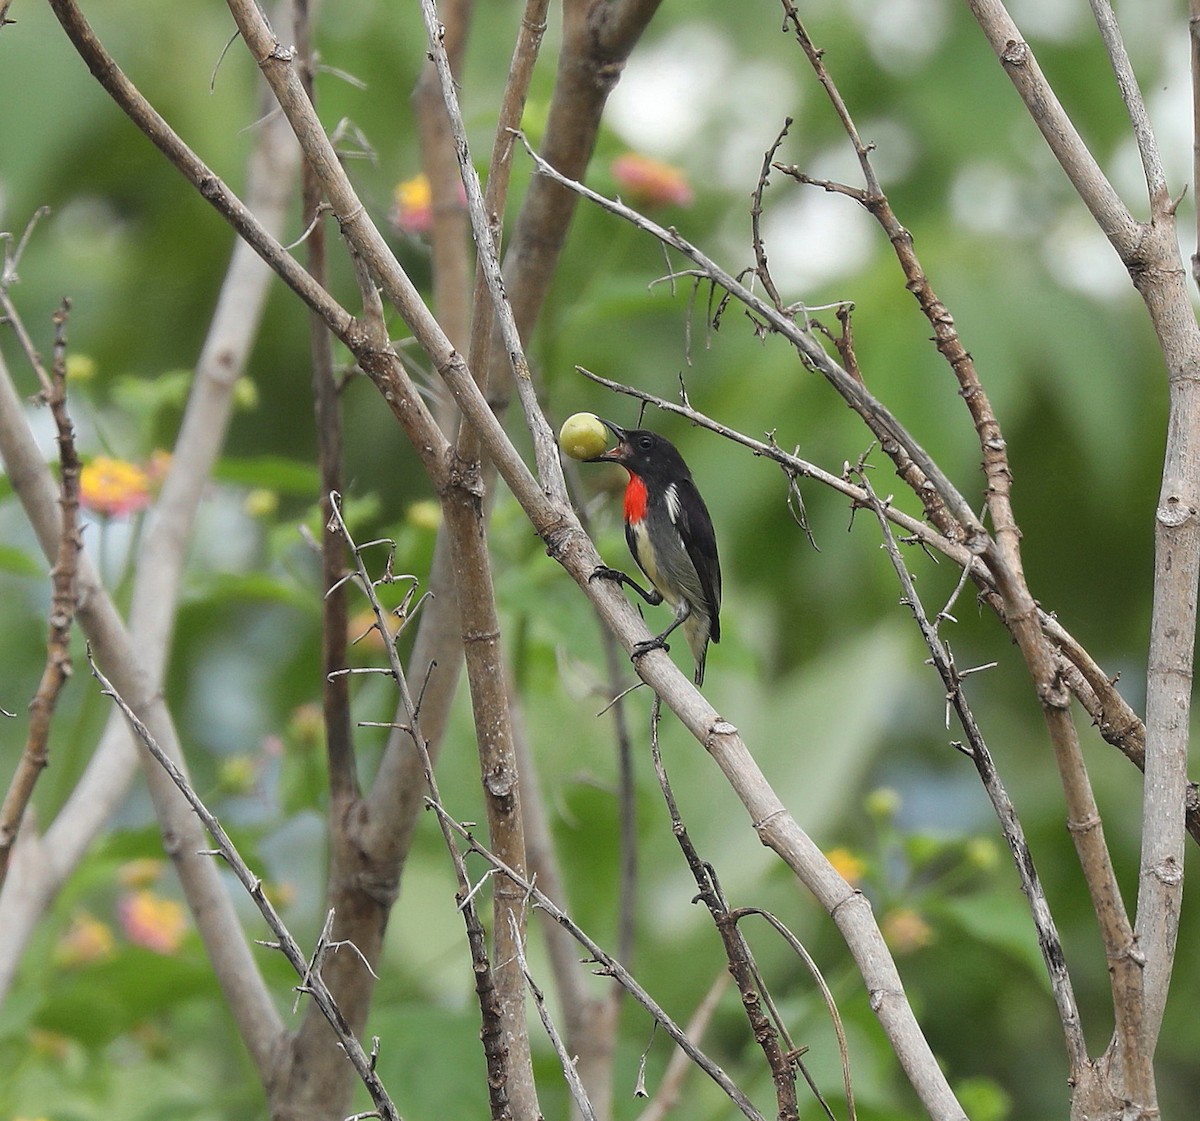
(412, 207)
(113, 487)
(150, 920)
(649, 182)
(87, 940)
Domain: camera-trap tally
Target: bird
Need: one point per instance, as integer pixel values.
(670, 534)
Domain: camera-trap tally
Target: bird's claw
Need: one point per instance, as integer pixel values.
(645, 648)
(603, 572)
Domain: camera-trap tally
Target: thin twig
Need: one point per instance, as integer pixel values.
(678, 1065)
(760, 251)
(491, 1034)
(63, 601)
(1047, 934)
(578, 1093)
(608, 965)
(831, 1007)
(742, 966)
(290, 948)
(882, 422)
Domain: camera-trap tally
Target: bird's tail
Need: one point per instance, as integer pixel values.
(696, 628)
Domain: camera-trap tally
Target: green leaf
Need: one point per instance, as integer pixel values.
(983, 1099)
(100, 1002)
(274, 472)
(19, 563)
(226, 587)
(999, 919)
(147, 396)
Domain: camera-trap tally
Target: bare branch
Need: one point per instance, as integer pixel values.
(664, 1098)
(241, 982)
(578, 1093)
(609, 966)
(1131, 94)
(886, 427)
(271, 168)
(831, 1007)
(743, 968)
(492, 1033)
(1048, 939)
(63, 602)
(1060, 134)
(310, 973)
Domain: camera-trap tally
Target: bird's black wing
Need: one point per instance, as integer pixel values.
(700, 539)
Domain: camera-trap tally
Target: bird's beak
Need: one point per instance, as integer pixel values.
(617, 454)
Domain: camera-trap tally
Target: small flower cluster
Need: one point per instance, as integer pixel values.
(116, 488)
(648, 183)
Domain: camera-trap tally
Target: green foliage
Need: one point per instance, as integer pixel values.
(818, 666)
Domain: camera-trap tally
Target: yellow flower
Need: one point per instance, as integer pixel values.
(113, 487)
(238, 774)
(87, 940)
(982, 853)
(905, 930)
(245, 393)
(412, 205)
(261, 502)
(850, 867)
(150, 920)
(425, 514)
(883, 802)
(80, 367)
(649, 182)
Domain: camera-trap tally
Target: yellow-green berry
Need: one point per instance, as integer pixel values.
(583, 436)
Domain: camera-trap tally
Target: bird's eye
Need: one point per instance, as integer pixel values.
(645, 443)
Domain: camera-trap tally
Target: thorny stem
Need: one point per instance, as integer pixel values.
(363, 1063)
(609, 965)
(492, 1035)
(1048, 939)
(737, 950)
(63, 602)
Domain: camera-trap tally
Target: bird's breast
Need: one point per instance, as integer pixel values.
(636, 497)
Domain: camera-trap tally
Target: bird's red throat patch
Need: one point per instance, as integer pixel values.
(635, 500)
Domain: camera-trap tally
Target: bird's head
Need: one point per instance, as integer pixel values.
(643, 453)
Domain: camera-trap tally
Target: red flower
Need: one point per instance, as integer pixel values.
(649, 182)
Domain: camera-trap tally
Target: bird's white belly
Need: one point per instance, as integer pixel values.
(646, 562)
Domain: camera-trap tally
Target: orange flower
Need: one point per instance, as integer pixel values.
(905, 930)
(412, 208)
(150, 920)
(87, 940)
(113, 487)
(850, 867)
(649, 182)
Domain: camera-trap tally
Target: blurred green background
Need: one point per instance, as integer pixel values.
(819, 666)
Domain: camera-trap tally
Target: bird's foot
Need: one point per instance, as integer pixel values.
(658, 643)
(603, 572)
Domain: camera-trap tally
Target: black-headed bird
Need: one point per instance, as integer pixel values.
(670, 535)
